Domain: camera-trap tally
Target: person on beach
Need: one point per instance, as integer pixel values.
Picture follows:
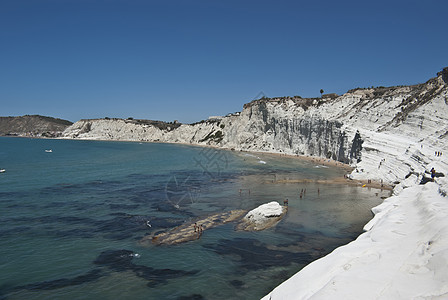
(285, 202)
(433, 174)
(195, 227)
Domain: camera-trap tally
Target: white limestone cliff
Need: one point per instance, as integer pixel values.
(403, 253)
(352, 128)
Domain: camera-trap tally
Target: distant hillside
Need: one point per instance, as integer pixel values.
(32, 126)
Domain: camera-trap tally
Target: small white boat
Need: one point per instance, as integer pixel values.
(2, 170)
(48, 150)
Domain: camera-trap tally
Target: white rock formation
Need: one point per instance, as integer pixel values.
(263, 217)
(264, 211)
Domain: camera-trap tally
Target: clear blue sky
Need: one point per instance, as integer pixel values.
(189, 59)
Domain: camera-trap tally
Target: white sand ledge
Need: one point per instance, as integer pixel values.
(402, 255)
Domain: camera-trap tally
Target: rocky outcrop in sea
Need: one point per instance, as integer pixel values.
(263, 217)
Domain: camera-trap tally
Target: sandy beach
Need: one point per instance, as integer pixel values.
(346, 180)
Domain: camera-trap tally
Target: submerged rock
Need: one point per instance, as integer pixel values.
(191, 297)
(121, 261)
(263, 217)
(192, 230)
(251, 254)
(63, 282)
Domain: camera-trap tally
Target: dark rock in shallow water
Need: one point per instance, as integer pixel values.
(63, 282)
(121, 261)
(191, 297)
(187, 231)
(158, 276)
(164, 206)
(15, 231)
(254, 255)
(73, 233)
(122, 226)
(115, 260)
(237, 283)
(123, 206)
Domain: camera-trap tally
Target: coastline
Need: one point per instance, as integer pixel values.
(305, 279)
(318, 160)
(345, 259)
(125, 200)
(404, 247)
(315, 159)
(338, 180)
(394, 135)
(401, 255)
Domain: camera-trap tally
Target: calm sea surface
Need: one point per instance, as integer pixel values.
(71, 220)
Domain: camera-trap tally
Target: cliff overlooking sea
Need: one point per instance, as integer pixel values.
(352, 128)
(394, 135)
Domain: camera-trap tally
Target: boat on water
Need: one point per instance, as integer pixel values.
(2, 170)
(48, 150)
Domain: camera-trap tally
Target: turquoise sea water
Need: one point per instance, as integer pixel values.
(71, 220)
